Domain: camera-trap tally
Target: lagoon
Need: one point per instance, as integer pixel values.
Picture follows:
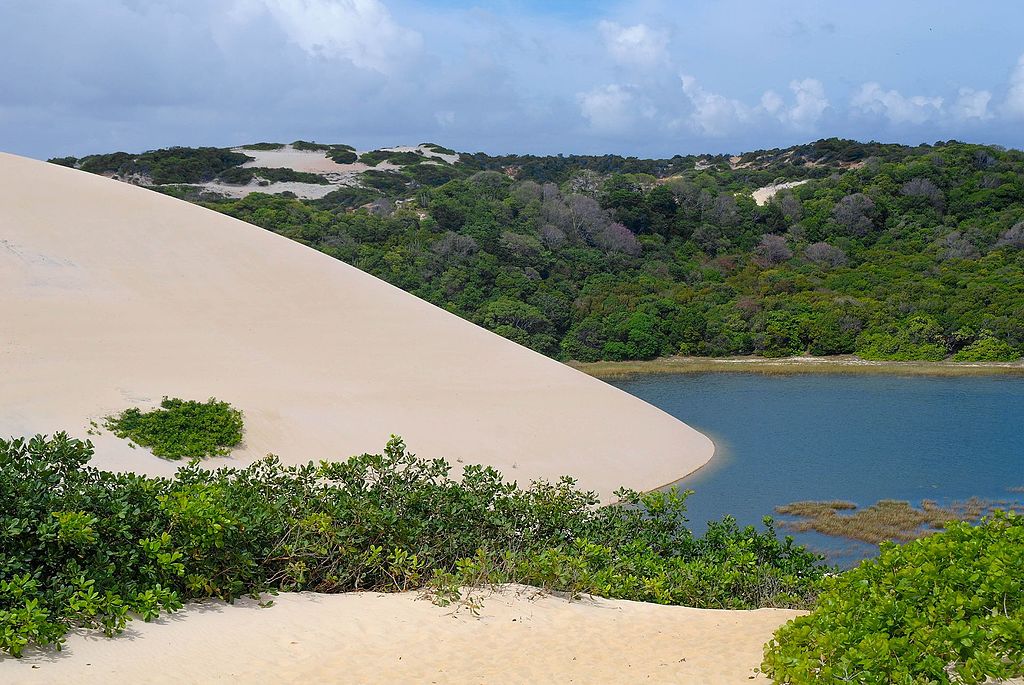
(781, 439)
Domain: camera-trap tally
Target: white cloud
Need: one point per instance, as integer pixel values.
(713, 114)
(810, 103)
(361, 31)
(972, 104)
(614, 108)
(1013, 106)
(894, 106)
(772, 102)
(637, 45)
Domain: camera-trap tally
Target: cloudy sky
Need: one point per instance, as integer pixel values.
(648, 77)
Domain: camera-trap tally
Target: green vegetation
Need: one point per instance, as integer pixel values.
(307, 146)
(887, 252)
(342, 154)
(173, 165)
(887, 520)
(244, 175)
(181, 428)
(263, 146)
(399, 158)
(83, 547)
(914, 255)
(946, 608)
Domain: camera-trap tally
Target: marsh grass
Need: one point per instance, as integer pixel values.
(846, 364)
(893, 520)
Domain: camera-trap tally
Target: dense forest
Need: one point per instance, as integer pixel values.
(883, 251)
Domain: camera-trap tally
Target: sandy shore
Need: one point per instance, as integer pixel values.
(520, 637)
(114, 296)
(846, 364)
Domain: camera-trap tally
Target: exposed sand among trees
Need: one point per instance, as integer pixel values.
(114, 296)
(520, 637)
(762, 195)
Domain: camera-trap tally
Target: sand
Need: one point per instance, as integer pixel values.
(762, 195)
(519, 637)
(113, 296)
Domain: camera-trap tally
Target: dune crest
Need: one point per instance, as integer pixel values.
(114, 296)
(520, 637)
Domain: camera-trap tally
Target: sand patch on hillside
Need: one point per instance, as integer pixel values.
(762, 195)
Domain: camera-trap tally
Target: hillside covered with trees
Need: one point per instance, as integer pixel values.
(883, 251)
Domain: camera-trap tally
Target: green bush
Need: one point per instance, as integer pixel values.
(83, 547)
(243, 175)
(181, 428)
(987, 349)
(945, 608)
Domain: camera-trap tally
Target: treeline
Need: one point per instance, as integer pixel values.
(172, 165)
(887, 252)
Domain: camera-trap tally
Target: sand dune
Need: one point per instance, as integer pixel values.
(762, 195)
(520, 637)
(113, 296)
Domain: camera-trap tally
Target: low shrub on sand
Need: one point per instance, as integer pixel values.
(181, 428)
(84, 547)
(946, 608)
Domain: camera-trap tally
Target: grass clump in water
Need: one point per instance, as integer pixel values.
(181, 428)
(885, 520)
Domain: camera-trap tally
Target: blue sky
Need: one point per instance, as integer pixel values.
(650, 78)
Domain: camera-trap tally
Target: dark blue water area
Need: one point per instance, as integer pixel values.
(781, 439)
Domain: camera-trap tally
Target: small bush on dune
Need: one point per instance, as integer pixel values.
(181, 428)
(946, 608)
(83, 547)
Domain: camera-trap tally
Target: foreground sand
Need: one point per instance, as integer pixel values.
(113, 296)
(520, 637)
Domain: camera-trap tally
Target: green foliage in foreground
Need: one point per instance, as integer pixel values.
(181, 428)
(946, 608)
(83, 547)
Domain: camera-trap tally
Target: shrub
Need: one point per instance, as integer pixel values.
(987, 348)
(83, 547)
(946, 608)
(181, 428)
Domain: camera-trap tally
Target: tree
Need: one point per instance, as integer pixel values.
(854, 213)
(773, 249)
(825, 255)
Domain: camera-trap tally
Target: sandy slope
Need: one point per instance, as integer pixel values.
(762, 195)
(364, 638)
(112, 296)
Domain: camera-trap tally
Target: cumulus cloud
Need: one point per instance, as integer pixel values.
(360, 31)
(972, 104)
(614, 108)
(1013, 106)
(872, 99)
(712, 114)
(809, 104)
(637, 45)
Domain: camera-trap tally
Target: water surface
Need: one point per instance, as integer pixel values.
(781, 439)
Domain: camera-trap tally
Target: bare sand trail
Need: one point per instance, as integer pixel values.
(520, 637)
(113, 296)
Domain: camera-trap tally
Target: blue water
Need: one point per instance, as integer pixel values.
(782, 439)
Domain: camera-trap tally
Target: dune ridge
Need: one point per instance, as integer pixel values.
(114, 296)
(521, 636)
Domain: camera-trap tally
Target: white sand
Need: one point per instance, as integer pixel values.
(113, 296)
(520, 637)
(762, 195)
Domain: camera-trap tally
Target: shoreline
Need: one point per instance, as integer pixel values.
(845, 364)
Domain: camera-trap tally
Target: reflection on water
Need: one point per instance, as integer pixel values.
(858, 438)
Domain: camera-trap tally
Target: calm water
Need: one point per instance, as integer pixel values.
(781, 439)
